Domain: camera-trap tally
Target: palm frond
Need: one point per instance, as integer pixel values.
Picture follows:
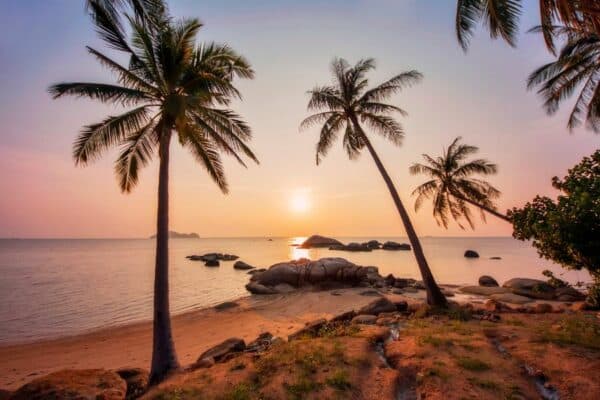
(99, 91)
(206, 153)
(96, 138)
(137, 152)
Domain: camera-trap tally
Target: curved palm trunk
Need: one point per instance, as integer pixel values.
(434, 294)
(164, 358)
(484, 208)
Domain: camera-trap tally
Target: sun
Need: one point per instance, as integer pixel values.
(300, 201)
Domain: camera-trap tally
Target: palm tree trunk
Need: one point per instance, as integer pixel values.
(164, 358)
(434, 294)
(484, 208)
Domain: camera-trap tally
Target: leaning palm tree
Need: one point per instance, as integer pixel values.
(452, 187)
(173, 88)
(578, 64)
(347, 106)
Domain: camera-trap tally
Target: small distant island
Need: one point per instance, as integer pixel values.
(177, 235)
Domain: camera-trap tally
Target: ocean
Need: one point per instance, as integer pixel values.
(57, 287)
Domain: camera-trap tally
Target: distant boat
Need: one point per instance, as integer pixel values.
(177, 235)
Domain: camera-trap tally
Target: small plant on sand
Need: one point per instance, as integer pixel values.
(435, 341)
(484, 383)
(340, 380)
(241, 391)
(580, 330)
(302, 387)
(472, 364)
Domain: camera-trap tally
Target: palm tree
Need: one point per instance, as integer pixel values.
(578, 63)
(501, 17)
(344, 107)
(451, 186)
(172, 87)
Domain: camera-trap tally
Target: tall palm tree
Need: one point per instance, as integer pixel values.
(578, 64)
(345, 107)
(174, 88)
(451, 186)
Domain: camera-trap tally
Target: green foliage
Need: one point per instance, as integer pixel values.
(567, 230)
(340, 380)
(553, 280)
(472, 364)
(580, 330)
(484, 383)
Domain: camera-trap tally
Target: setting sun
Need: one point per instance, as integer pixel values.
(300, 201)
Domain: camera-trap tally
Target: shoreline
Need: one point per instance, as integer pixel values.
(130, 345)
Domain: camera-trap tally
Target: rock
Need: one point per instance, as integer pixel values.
(74, 385)
(495, 258)
(310, 329)
(386, 321)
(403, 283)
(419, 285)
(542, 308)
(345, 316)
(483, 290)
(205, 363)
(378, 306)
(569, 292)
(410, 289)
(212, 263)
(373, 244)
(261, 343)
(493, 305)
(471, 254)
(257, 288)
(319, 241)
(488, 281)
(401, 305)
(226, 305)
(365, 319)
(242, 265)
(527, 284)
(397, 291)
(136, 380)
(220, 351)
(213, 257)
(511, 298)
(5, 394)
(335, 293)
(351, 247)
(322, 273)
(389, 245)
(256, 271)
(390, 280)
(284, 288)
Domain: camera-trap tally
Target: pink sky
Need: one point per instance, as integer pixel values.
(480, 96)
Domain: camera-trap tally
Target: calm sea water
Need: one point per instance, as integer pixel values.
(53, 288)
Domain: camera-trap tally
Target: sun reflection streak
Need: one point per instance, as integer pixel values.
(296, 252)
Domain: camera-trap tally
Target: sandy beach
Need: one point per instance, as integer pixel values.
(194, 332)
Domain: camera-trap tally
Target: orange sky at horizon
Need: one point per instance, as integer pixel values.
(480, 96)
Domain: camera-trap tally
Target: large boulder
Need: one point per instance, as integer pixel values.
(471, 254)
(305, 272)
(378, 306)
(212, 263)
(223, 349)
(533, 288)
(242, 265)
(487, 280)
(389, 245)
(483, 290)
(74, 385)
(511, 298)
(373, 244)
(319, 241)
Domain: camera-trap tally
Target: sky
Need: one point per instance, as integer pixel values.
(480, 95)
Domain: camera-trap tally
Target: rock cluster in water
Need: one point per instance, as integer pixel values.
(317, 241)
(325, 272)
(213, 259)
